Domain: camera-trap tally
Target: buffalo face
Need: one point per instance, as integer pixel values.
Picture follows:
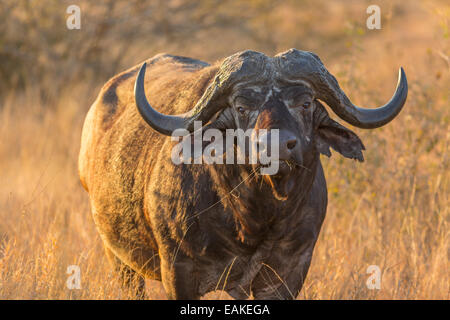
(303, 126)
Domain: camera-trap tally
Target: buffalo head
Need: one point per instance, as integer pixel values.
(254, 91)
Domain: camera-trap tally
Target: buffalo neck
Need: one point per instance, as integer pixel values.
(250, 200)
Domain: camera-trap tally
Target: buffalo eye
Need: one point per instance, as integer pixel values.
(306, 104)
(241, 110)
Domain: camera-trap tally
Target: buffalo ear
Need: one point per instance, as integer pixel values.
(346, 142)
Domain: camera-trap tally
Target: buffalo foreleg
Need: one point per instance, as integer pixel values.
(178, 279)
(130, 279)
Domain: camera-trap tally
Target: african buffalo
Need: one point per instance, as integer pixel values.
(199, 227)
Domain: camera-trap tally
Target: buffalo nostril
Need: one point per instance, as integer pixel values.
(291, 144)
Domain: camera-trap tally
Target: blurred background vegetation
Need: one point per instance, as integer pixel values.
(37, 48)
(392, 210)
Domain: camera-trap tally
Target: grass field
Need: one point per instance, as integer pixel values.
(391, 210)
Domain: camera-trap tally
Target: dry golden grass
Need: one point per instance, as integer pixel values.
(391, 211)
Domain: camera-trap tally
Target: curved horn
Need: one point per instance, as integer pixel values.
(308, 67)
(238, 67)
(162, 123)
(367, 118)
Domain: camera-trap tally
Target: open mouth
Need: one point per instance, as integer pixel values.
(282, 182)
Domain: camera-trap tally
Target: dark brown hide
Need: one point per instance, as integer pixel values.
(198, 228)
